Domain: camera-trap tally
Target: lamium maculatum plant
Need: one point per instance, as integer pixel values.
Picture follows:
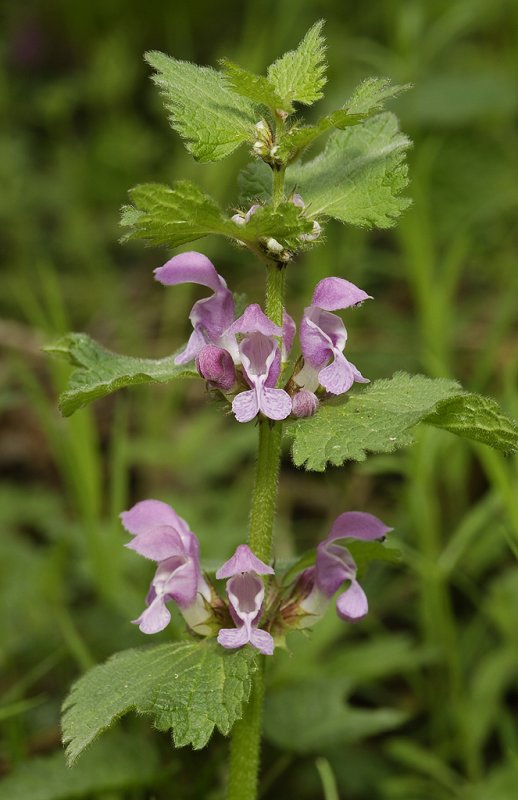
(305, 391)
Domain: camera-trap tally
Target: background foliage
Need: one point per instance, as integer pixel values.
(419, 700)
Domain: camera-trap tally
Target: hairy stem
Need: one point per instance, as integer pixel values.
(245, 745)
(246, 734)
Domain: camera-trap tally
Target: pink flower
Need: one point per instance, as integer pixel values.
(261, 359)
(162, 536)
(336, 566)
(323, 337)
(245, 591)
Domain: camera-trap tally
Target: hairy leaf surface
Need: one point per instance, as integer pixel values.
(478, 418)
(299, 75)
(173, 215)
(256, 87)
(368, 99)
(380, 419)
(359, 176)
(183, 213)
(102, 372)
(188, 688)
(203, 109)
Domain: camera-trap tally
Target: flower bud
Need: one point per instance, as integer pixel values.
(274, 246)
(298, 201)
(315, 233)
(264, 139)
(216, 366)
(304, 404)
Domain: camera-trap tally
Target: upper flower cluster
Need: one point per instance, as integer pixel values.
(243, 355)
(162, 536)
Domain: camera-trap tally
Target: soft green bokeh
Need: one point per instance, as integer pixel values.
(417, 702)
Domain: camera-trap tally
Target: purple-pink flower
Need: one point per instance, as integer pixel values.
(261, 359)
(245, 591)
(211, 316)
(323, 337)
(336, 566)
(162, 536)
(217, 367)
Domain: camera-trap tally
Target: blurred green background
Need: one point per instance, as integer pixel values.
(420, 701)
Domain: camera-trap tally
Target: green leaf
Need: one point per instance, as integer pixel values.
(255, 183)
(203, 109)
(311, 715)
(380, 420)
(368, 99)
(121, 762)
(478, 418)
(285, 223)
(173, 215)
(190, 688)
(102, 372)
(359, 175)
(183, 213)
(256, 87)
(370, 96)
(299, 75)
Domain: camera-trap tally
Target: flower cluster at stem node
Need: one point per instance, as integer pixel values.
(249, 614)
(243, 357)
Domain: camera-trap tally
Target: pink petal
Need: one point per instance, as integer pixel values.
(334, 566)
(155, 618)
(357, 525)
(233, 637)
(190, 267)
(158, 544)
(352, 605)
(254, 320)
(263, 641)
(245, 406)
(149, 514)
(315, 344)
(332, 294)
(243, 560)
(196, 341)
(289, 330)
(337, 377)
(275, 403)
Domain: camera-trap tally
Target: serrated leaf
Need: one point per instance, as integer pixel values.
(188, 688)
(478, 418)
(102, 372)
(285, 223)
(203, 109)
(119, 763)
(298, 138)
(368, 99)
(370, 96)
(380, 420)
(173, 215)
(359, 176)
(299, 75)
(255, 183)
(256, 87)
(182, 213)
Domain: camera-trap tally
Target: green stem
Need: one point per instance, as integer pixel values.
(245, 744)
(278, 185)
(246, 734)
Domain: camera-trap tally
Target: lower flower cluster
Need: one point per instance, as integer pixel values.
(242, 357)
(254, 611)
